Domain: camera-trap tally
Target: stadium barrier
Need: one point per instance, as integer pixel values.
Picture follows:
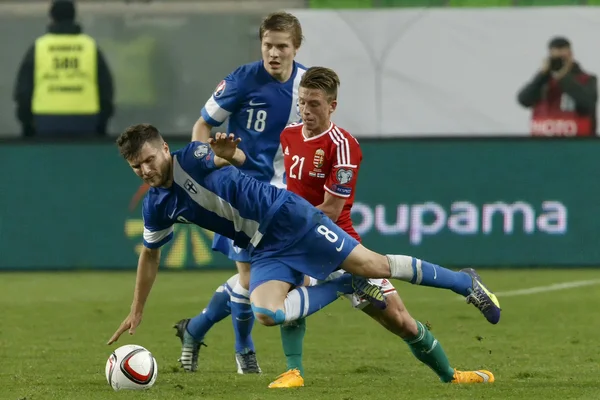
(481, 202)
(389, 90)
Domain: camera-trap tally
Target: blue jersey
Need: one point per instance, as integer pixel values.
(258, 107)
(222, 200)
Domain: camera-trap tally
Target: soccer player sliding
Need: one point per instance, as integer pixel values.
(287, 239)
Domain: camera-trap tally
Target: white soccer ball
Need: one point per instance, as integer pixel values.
(131, 367)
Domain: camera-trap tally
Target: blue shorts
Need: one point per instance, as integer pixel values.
(299, 241)
(226, 246)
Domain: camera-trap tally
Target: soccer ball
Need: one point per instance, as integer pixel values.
(131, 367)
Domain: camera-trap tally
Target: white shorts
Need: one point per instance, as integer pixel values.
(355, 300)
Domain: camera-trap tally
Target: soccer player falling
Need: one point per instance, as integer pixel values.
(322, 163)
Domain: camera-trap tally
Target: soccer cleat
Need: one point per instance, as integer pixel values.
(366, 290)
(289, 379)
(190, 347)
(482, 298)
(481, 376)
(246, 363)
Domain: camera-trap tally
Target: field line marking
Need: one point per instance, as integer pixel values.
(548, 288)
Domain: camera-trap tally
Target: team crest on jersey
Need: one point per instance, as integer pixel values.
(319, 158)
(220, 88)
(344, 175)
(190, 187)
(201, 151)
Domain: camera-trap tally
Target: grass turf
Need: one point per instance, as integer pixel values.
(54, 327)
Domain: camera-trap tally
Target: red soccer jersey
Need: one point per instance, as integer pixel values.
(326, 162)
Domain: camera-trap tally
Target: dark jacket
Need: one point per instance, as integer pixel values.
(23, 92)
(584, 95)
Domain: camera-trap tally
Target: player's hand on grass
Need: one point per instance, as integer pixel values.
(224, 145)
(130, 323)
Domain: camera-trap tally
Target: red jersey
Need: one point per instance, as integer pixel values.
(326, 162)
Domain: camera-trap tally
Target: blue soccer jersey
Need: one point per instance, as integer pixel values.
(259, 107)
(286, 236)
(225, 200)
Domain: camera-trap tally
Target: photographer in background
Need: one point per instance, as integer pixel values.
(563, 97)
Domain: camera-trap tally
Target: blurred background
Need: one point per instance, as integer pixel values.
(454, 168)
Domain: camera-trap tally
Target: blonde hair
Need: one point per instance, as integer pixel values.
(321, 78)
(282, 21)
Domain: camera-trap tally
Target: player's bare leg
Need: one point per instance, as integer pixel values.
(242, 318)
(395, 318)
(367, 263)
(421, 342)
(268, 302)
(244, 274)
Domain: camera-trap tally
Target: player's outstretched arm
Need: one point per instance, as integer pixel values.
(201, 131)
(146, 274)
(226, 151)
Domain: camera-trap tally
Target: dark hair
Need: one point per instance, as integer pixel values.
(133, 139)
(282, 22)
(559, 42)
(321, 78)
(62, 10)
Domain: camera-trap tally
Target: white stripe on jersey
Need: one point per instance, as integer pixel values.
(156, 236)
(211, 202)
(215, 111)
(278, 169)
(342, 147)
(294, 110)
(294, 117)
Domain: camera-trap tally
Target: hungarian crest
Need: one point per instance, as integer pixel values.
(319, 158)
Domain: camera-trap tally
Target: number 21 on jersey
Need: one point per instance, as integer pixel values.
(257, 120)
(296, 168)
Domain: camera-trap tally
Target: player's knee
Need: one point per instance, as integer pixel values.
(264, 319)
(268, 316)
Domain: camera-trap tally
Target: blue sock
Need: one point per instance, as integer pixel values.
(304, 301)
(242, 318)
(217, 309)
(440, 277)
(419, 272)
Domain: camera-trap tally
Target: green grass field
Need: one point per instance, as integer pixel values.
(54, 327)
